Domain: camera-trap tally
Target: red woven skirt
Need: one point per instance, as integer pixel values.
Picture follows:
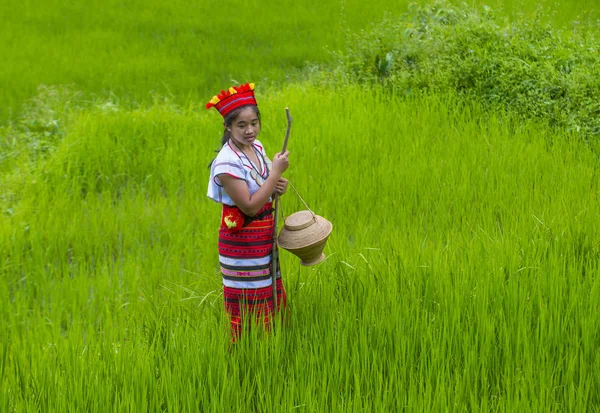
(245, 255)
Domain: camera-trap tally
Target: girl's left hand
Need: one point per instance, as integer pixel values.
(281, 186)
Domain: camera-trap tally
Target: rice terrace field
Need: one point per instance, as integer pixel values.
(454, 146)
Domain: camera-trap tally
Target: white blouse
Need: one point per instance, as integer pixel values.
(233, 162)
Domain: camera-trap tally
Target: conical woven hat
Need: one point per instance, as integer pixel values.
(304, 234)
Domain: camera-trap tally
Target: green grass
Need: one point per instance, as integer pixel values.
(137, 50)
(462, 271)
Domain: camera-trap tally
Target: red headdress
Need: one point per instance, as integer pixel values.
(233, 98)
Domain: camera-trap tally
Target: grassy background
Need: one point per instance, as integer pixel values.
(137, 50)
(462, 273)
(462, 270)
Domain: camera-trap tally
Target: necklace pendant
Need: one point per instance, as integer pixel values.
(257, 178)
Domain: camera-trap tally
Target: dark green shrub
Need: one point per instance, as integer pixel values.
(525, 66)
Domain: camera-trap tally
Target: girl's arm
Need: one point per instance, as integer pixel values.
(237, 189)
(281, 187)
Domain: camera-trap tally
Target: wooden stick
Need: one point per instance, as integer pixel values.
(274, 253)
(287, 132)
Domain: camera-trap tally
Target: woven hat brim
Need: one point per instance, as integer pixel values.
(294, 240)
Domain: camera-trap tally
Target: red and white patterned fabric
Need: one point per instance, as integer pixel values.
(245, 257)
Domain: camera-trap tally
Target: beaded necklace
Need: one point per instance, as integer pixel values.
(256, 175)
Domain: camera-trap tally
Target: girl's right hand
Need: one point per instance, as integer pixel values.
(281, 162)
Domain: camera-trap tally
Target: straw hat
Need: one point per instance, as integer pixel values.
(304, 234)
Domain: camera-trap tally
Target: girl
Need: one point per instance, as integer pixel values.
(243, 179)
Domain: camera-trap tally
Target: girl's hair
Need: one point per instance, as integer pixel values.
(228, 121)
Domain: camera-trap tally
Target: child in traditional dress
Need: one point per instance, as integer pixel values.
(243, 179)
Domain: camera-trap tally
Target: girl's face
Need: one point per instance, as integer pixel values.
(245, 127)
